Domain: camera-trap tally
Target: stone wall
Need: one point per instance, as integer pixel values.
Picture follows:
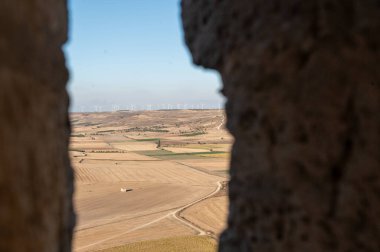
(35, 175)
(302, 81)
(303, 89)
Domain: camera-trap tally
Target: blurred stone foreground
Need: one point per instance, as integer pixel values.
(302, 81)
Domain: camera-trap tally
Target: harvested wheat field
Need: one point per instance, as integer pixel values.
(208, 214)
(182, 243)
(152, 179)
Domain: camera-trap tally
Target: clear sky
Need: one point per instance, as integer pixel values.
(131, 52)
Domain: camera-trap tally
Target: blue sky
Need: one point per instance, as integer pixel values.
(131, 52)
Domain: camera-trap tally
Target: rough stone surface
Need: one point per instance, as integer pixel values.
(35, 175)
(302, 81)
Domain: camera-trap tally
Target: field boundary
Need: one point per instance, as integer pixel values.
(191, 224)
(170, 214)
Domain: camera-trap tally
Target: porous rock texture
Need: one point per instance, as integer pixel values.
(35, 176)
(302, 82)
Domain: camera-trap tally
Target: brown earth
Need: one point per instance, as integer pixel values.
(110, 151)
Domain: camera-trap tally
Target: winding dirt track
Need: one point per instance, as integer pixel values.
(107, 156)
(221, 124)
(188, 223)
(174, 214)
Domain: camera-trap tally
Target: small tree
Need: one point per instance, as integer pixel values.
(158, 143)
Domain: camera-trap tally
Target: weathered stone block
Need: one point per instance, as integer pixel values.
(36, 180)
(303, 89)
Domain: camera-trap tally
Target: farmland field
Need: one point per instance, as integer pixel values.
(183, 244)
(149, 179)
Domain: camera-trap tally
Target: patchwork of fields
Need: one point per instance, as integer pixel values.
(172, 166)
